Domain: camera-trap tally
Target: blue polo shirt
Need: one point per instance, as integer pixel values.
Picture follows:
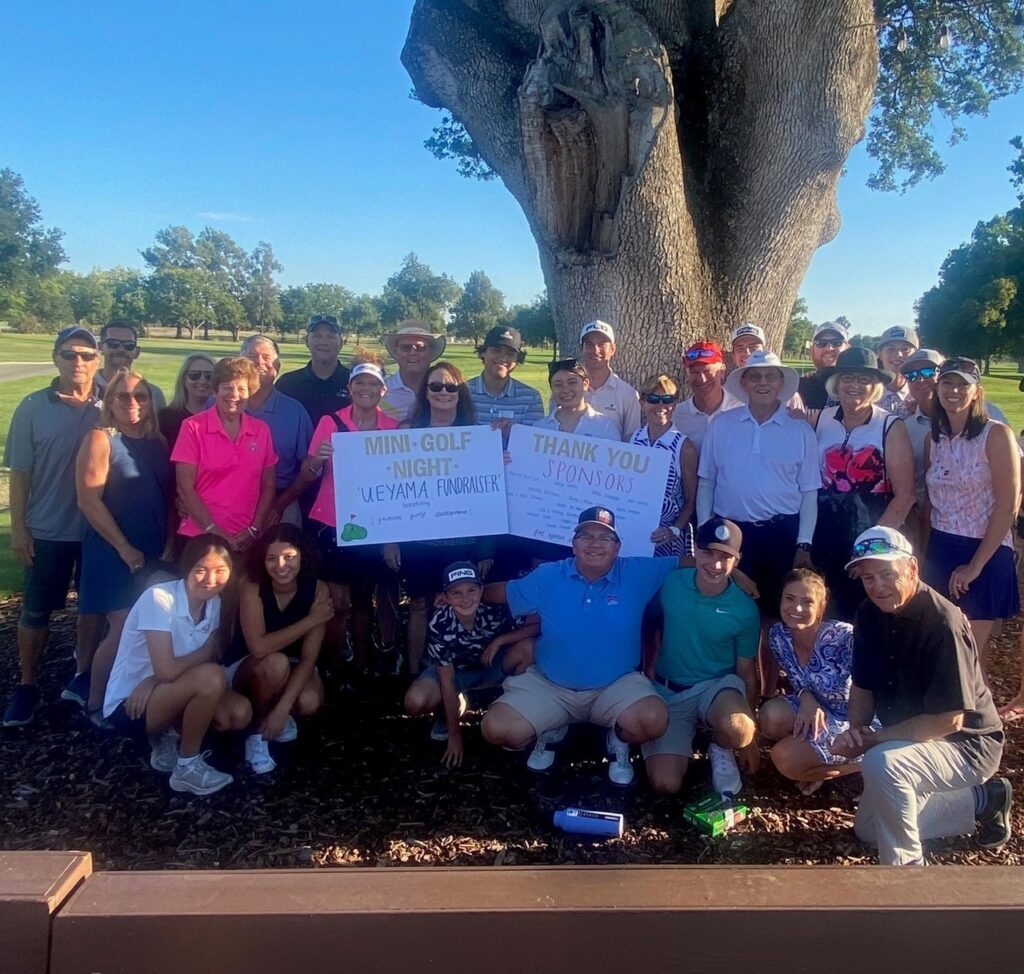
(590, 631)
(291, 430)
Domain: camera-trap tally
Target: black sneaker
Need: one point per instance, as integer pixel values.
(77, 691)
(994, 820)
(24, 705)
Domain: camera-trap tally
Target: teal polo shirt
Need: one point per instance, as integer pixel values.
(590, 631)
(704, 635)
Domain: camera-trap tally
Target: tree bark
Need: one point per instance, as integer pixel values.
(677, 160)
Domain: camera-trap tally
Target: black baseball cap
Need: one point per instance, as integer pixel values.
(503, 335)
(330, 320)
(459, 571)
(598, 515)
(720, 534)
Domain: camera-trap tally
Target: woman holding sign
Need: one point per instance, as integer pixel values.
(350, 573)
(659, 395)
(443, 400)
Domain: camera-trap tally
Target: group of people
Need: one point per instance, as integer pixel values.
(799, 518)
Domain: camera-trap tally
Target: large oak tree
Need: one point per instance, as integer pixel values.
(677, 160)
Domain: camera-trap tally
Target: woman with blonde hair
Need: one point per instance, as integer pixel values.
(192, 391)
(123, 480)
(659, 396)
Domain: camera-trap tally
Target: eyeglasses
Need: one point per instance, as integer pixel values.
(196, 374)
(926, 372)
(69, 356)
(959, 365)
(828, 343)
(123, 398)
(663, 400)
(443, 386)
(604, 540)
(322, 320)
(115, 343)
(694, 354)
(876, 546)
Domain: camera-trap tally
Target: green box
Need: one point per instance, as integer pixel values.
(712, 817)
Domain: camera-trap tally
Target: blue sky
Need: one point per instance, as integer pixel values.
(292, 123)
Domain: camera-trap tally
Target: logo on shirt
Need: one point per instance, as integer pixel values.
(722, 612)
(611, 599)
(252, 447)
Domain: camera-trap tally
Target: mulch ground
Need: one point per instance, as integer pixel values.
(363, 786)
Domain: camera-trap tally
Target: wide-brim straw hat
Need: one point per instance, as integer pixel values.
(415, 329)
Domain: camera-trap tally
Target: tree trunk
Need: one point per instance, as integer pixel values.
(677, 161)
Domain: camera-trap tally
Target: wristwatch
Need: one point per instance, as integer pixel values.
(675, 531)
(803, 545)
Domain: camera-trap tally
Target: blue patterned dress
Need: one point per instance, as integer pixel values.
(826, 675)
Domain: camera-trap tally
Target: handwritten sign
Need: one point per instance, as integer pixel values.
(554, 476)
(414, 485)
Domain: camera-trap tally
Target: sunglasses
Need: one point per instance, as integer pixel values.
(695, 354)
(876, 546)
(660, 400)
(70, 356)
(407, 348)
(958, 365)
(828, 343)
(123, 398)
(196, 374)
(323, 320)
(116, 343)
(926, 372)
(443, 386)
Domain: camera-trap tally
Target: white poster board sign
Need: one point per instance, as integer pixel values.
(418, 484)
(553, 476)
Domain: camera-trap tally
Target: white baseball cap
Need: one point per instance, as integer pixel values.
(368, 368)
(748, 329)
(601, 327)
(883, 544)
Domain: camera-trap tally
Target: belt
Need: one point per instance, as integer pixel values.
(672, 685)
(775, 519)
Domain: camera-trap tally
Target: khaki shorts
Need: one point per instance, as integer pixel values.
(685, 710)
(547, 705)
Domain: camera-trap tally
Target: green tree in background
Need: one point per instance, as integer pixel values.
(261, 299)
(362, 316)
(798, 331)
(90, 297)
(479, 308)
(300, 301)
(29, 252)
(535, 323)
(415, 291)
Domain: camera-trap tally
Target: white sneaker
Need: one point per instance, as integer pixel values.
(620, 771)
(725, 774)
(542, 757)
(257, 754)
(199, 777)
(163, 755)
(289, 732)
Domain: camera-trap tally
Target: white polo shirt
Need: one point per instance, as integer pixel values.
(161, 608)
(759, 469)
(618, 400)
(399, 400)
(690, 420)
(591, 423)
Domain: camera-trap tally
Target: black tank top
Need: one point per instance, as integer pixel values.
(275, 618)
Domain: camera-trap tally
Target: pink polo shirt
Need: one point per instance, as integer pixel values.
(323, 508)
(228, 472)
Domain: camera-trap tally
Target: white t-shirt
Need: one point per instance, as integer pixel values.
(161, 608)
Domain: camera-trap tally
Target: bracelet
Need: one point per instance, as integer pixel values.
(209, 527)
(252, 530)
(675, 531)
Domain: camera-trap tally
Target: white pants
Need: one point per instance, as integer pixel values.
(915, 791)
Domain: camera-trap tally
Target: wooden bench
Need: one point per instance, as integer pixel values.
(33, 885)
(826, 920)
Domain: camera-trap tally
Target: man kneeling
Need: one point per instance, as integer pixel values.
(705, 665)
(588, 651)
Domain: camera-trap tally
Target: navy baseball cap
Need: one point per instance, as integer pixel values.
(720, 534)
(75, 331)
(598, 515)
(460, 571)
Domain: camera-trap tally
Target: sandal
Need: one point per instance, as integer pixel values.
(1011, 712)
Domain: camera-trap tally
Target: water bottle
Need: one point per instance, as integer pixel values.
(585, 821)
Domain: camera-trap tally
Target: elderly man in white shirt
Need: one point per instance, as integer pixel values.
(704, 365)
(608, 394)
(759, 468)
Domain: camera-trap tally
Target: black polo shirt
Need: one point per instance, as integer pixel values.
(321, 397)
(922, 660)
(812, 391)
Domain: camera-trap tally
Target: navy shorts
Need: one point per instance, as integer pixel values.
(55, 566)
(992, 595)
(123, 724)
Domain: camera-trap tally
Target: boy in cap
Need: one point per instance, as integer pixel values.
(471, 645)
(829, 339)
(498, 397)
(321, 385)
(608, 394)
(704, 666)
(895, 346)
